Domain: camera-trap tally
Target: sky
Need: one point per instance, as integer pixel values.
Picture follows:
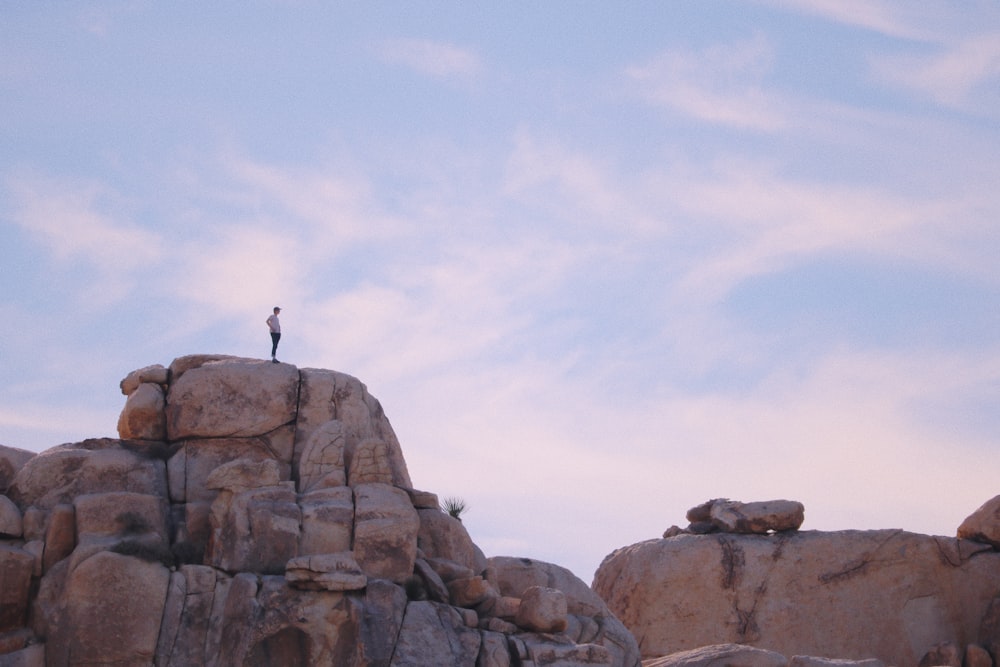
(599, 262)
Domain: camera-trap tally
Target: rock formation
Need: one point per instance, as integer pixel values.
(259, 514)
(742, 574)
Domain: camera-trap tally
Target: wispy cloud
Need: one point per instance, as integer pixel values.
(81, 224)
(437, 59)
(723, 85)
(957, 75)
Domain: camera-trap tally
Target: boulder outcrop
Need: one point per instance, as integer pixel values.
(259, 514)
(887, 595)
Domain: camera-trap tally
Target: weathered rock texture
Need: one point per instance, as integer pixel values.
(260, 514)
(880, 594)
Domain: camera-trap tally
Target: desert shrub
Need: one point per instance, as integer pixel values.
(454, 507)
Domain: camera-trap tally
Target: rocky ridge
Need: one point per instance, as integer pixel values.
(259, 514)
(742, 585)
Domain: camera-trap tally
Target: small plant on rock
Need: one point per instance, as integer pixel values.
(455, 507)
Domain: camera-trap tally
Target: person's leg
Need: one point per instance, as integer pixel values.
(275, 337)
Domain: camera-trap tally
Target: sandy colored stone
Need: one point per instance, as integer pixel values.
(327, 521)
(327, 395)
(143, 416)
(231, 398)
(11, 521)
(883, 594)
(322, 461)
(325, 572)
(114, 605)
(443, 536)
(542, 609)
(119, 514)
(155, 374)
(983, 525)
(243, 475)
(255, 530)
(16, 568)
(60, 474)
(435, 634)
(12, 459)
(757, 517)
(60, 535)
(385, 531)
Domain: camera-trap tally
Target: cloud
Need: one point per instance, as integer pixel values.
(953, 76)
(888, 18)
(436, 59)
(80, 224)
(721, 85)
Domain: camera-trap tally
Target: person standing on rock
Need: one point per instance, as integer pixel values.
(275, 327)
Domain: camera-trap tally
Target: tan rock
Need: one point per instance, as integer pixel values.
(231, 398)
(114, 604)
(255, 530)
(385, 531)
(60, 535)
(493, 651)
(11, 521)
(720, 655)
(945, 654)
(188, 469)
(326, 572)
(423, 500)
(370, 463)
(435, 634)
(322, 461)
(326, 395)
(143, 416)
(16, 568)
(182, 365)
(155, 374)
(983, 525)
(470, 591)
(60, 474)
(513, 576)
(443, 536)
(327, 521)
(243, 475)
(542, 609)
(12, 459)
(435, 587)
(385, 605)
(120, 513)
(184, 628)
(757, 517)
(977, 656)
(853, 594)
(568, 655)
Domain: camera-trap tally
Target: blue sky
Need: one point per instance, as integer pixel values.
(600, 262)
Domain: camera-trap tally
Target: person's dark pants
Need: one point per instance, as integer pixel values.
(275, 337)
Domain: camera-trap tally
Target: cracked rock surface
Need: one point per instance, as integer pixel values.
(853, 594)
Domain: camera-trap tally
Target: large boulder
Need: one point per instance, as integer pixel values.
(12, 459)
(983, 525)
(884, 594)
(231, 398)
(143, 416)
(60, 474)
(327, 395)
